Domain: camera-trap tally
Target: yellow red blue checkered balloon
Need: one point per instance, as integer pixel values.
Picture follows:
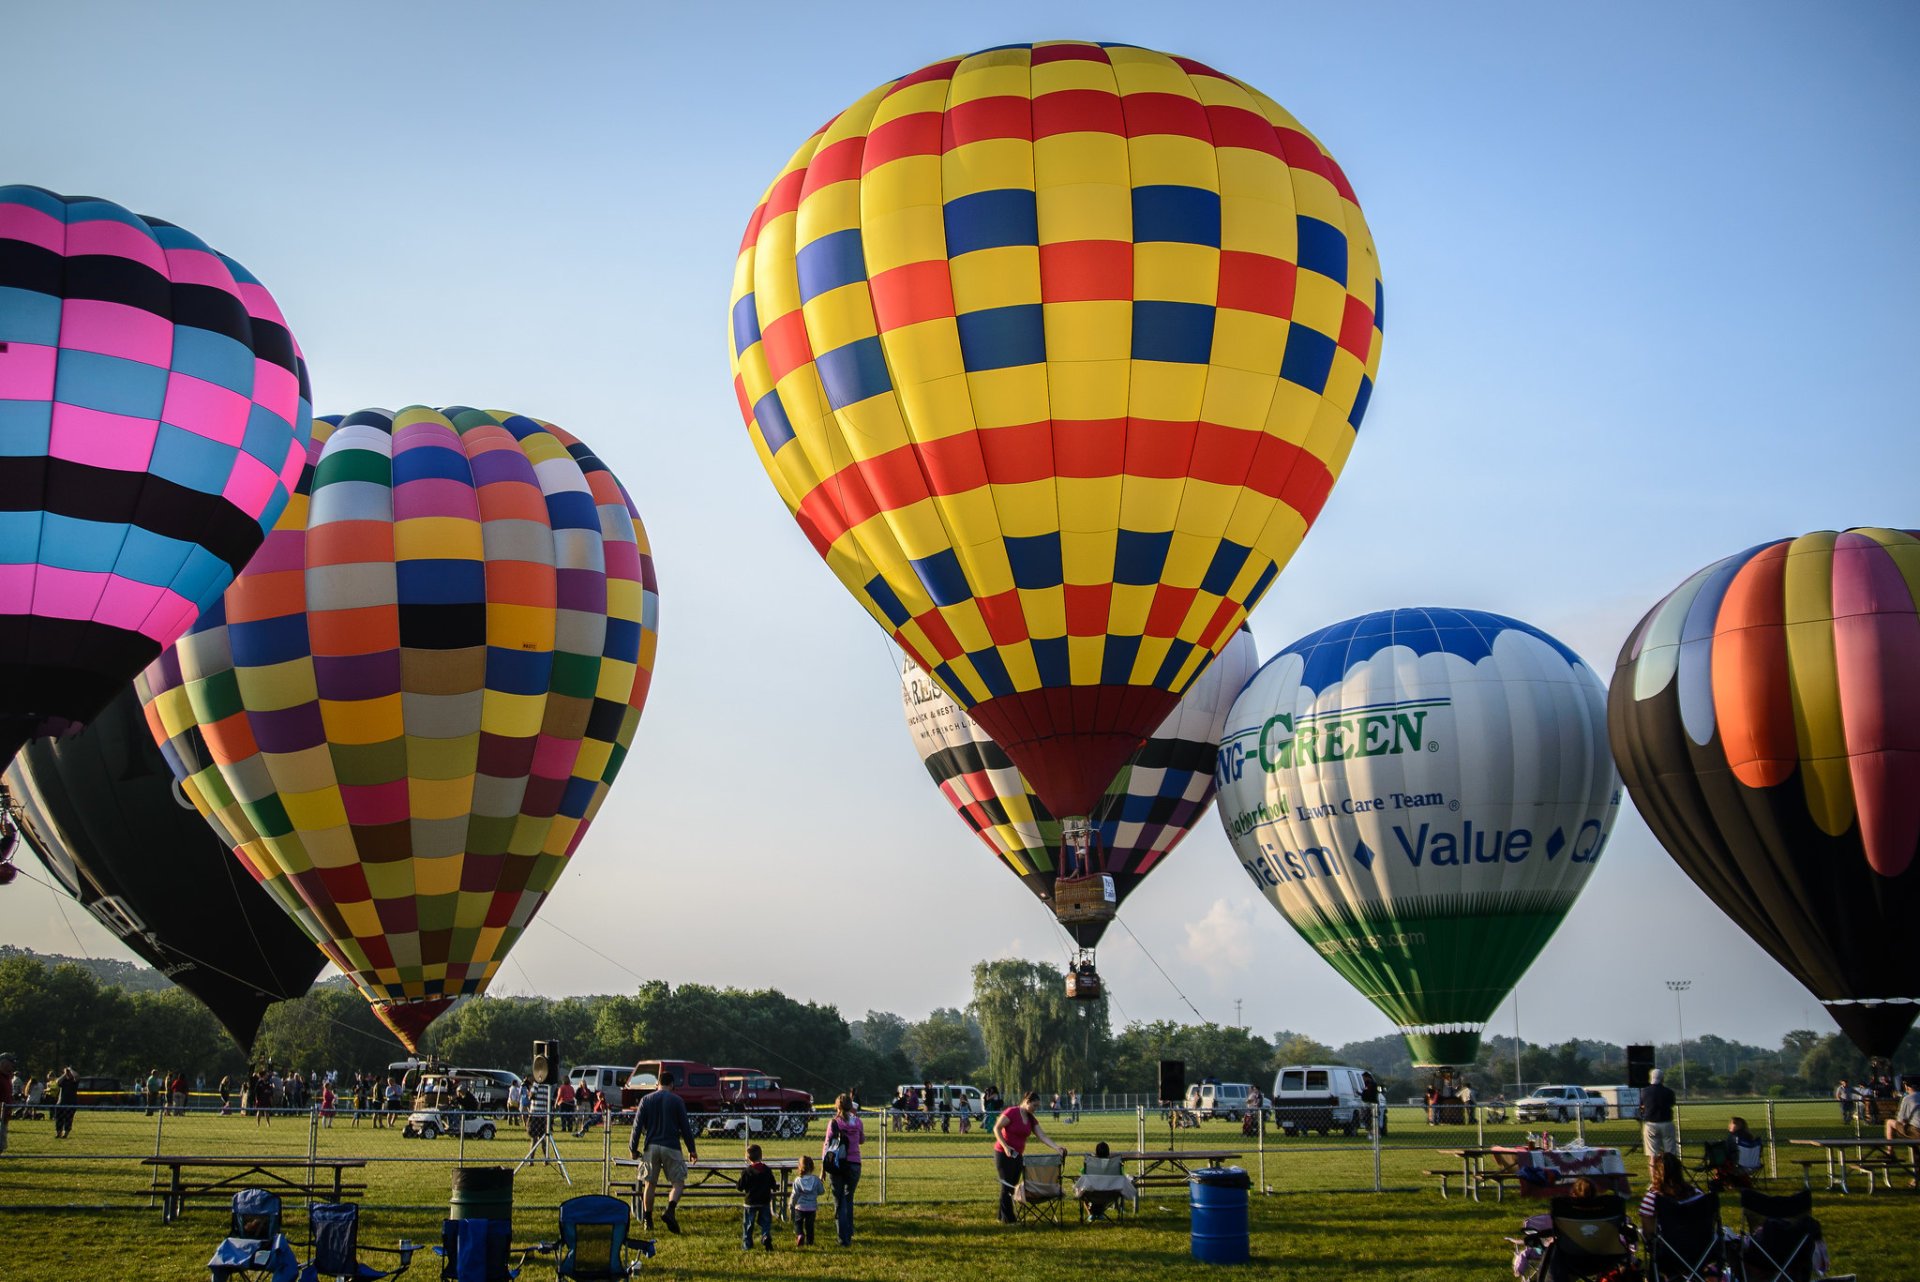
(1055, 351)
(408, 708)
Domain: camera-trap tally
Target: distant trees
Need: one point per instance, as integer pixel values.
(1034, 1037)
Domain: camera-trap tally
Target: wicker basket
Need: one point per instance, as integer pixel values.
(1080, 899)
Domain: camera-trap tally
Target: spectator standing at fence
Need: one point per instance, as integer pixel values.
(1843, 1095)
(66, 1099)
(1905, 1124)
(1011, 1132)
(513, 1104)
(328, 1102)
(177, 1093)
(263, 1096)
(1466, 1101)
(845, 1132)
(1658, 1133)
(563, 1105)
(6, 1095)
(804, 1202)
(756, 1200)
(660, 1125)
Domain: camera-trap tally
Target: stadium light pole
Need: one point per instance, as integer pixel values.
(1677, 987)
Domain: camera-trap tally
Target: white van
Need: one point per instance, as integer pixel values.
(1318, 1097)
(1219, 1099)
(957, 1097)
(601, 1077)
(1622, 1101)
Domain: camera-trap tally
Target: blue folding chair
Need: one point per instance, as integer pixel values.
(476, 1251)
(593, 1240)
(255, 1248)
(336, 1247)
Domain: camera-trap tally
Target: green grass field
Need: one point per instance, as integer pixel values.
(82, 1208)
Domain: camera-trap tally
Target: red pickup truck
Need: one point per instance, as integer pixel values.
(730, 1101)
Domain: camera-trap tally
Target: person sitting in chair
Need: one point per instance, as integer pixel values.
(1669, 1180)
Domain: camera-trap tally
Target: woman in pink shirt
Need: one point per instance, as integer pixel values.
(1011, 1131)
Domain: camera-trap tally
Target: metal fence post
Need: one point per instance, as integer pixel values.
(886, 1120)
(1580, 1125)
(1479, 1126)
(606, 1156)
(1375, 1115)
(1773, 1150)
(1139, 1135)
(1260, 1144)
(460, 1128)
(159, 1127)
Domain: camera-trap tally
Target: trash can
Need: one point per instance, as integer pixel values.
(482, 1193)
(1218, 1197)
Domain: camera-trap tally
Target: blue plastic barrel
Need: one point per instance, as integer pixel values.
(1219, 1215)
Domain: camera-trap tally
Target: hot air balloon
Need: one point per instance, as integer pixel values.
(1161, 790)
(1766, 717)
(407, 710)
(103, 813)
(1422, 794)
(1054, 351)
(153, 416)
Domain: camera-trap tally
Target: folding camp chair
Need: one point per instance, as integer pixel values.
(1103, 1186)
(1688, 1245)
(1589, 1238)
(593, 1240)
(336, 1247)
(476, 1251)
(255, 1248)
(1781, 1235)
(1038, 1195)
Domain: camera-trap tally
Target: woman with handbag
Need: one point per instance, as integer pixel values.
(840, 1156)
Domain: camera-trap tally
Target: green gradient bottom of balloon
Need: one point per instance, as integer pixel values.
(1427, 970)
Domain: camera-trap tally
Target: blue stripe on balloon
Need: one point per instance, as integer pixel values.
(746, 324)
(1323, 248)
(25, 428)
(1116, 660)
(572, 510)
(265, 642)
(1050, 660)
(991, 220)
(1467, 634)
(436, 581)
(146, 557)
(1183, 215)
(1180, 333)
(1002, 337)
(829, 263)
(1696, 647)
(854, 372)
(1225, 567)
(940, 574)
(1308, 357)
(1360, 401)
(889, 604)
(623, 640)
(1177, 652)
(110, 384)
(770, 419)
(431, 463)
(72, 544)
(202, 576)
(1140, 556)
(519, 671)
(29, 316)
(1035, 560)
(993, 672)
(213, 358)
(190, 460)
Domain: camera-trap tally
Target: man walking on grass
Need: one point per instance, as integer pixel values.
(659, 1126)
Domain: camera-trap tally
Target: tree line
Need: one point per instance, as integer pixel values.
(1018, 1031)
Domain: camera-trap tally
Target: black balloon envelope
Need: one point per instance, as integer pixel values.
(102, 812)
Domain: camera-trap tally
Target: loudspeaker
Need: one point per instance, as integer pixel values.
(1639, 1065)
(1173, 1081)
(546, 1062)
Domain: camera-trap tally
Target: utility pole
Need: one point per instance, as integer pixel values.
(1236, 1012)
(1677, 987)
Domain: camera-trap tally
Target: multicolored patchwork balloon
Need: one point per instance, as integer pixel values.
(1766, 717)
(1422, 794)
(1055, 351)
(153, 416)
(407, 710)
(1157, 796)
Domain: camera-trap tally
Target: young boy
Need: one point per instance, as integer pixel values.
(756, 1193)
(805, 1201)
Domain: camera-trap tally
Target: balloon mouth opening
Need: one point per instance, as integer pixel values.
(408, 1020)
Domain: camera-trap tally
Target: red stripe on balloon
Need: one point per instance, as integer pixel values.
(1752, 705)
(1876, 639)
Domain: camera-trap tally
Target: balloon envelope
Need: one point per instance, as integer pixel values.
(1766, 717)
(1055, 351)
(102, 811)
(1422, 794)
(407, 711)
(1150, 805)
(153, 416)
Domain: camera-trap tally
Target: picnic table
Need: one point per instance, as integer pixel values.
(1537, 1172)
(1882, 1164)
(196, 1176)
(1171, 1166)
(711, 1178)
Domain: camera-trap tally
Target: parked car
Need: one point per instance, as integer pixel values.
(1219, 1099)
(711, 1093)
(602, 1079)
(957, 1097)
(1560, 1104)
(1318, 1097)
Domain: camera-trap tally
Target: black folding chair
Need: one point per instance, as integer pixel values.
(1688, 1245)
(1589, 1238)
(1780, 1237)
(336, 1247)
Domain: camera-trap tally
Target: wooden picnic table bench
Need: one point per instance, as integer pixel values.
(324, 1178)
(709, 1178)
(1171, 1166)
(1873, 1158)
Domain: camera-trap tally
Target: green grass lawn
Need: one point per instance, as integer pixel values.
(936, 1222)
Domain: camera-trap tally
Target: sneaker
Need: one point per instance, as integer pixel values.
(768, 1243)
(799, 1239)
(670, 1220)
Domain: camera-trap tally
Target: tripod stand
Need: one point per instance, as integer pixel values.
(543, 1148)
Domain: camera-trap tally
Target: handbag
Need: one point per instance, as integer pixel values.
(836, 1154)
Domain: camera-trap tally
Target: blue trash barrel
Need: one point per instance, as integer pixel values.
(1218, 1197)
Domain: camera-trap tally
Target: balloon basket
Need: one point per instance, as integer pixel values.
(1083, 981)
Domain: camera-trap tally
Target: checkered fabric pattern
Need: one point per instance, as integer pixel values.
(1157, 796)
(1054, 352)
(407, 710)
(153, 416)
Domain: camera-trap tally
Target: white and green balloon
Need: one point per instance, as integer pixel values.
(1422, 794)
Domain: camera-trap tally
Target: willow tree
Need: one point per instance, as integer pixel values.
(1035, 1037)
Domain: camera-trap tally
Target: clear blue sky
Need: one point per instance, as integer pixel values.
(1650, 273)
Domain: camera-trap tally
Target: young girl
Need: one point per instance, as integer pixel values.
(327, 1103)
(804, 1201)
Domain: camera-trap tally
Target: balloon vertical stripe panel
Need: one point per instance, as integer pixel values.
(413, 710)
(153, 416)
(1766, 717)
(1054, 352)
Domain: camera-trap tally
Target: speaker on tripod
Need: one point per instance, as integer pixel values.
(1173, 1081)
(546, 1062)
(545, 1077)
